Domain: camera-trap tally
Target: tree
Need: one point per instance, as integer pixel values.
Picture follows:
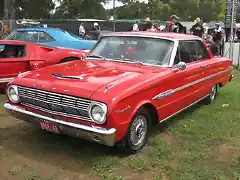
(27, 8)
(9, 9)
(131, 11)
(80, 9)
(1, 9)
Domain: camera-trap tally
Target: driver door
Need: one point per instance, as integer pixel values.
(12, 66)
(182, 87)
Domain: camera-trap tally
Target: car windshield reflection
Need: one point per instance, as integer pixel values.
(141, 50)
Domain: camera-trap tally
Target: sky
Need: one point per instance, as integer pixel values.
(117, 4)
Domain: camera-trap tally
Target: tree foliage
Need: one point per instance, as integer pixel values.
(156, 9)
(35, 8)
(185, 9)
(81, 9)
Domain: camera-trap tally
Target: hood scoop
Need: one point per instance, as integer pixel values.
(60, 76)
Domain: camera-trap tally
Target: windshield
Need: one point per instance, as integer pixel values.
(152, 51)
(41, 36)
(31, 36)
(23, 36)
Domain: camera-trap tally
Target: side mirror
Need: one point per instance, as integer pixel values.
(181, 66)
(83, 56)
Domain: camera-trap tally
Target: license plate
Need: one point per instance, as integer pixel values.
(49, 126)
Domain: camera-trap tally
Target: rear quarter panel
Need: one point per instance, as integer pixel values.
(219, 69)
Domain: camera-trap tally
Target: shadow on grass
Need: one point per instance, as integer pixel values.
(61, 150)
(2, 91)
(178, 117)
(58, 150)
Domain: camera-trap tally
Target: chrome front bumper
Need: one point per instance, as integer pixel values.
(91, 133)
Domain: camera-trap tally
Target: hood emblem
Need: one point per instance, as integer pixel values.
(122, 110)
(60, 76)
(107, 88)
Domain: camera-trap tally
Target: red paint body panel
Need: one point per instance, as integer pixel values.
(120, 85)
(37, 56)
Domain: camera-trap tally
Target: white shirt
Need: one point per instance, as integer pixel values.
(135, 27)
(81, 29)
(152, 29)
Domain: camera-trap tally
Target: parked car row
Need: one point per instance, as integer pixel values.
(128, 82)
(28, 49)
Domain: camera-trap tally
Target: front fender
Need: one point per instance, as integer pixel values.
(121, 115)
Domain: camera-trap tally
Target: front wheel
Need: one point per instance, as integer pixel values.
(138, 130)
(212, 95)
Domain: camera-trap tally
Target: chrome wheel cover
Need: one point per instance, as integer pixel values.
(138, 130)
(213, 93)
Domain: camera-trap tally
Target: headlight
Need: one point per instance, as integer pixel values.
(98, 112)
(12, 93)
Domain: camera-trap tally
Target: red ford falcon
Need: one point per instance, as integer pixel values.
(129, 82)
(18, 57)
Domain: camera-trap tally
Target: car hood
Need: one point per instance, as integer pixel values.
(82, 77)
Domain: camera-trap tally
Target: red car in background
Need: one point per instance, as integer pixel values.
(18, 57)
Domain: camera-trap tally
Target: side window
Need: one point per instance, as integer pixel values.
(183, 54)
(202, 51)
(44, 37)
(192, 49)
(12, 51)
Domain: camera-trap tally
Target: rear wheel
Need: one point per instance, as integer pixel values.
(68, 59)
(212, 95)
(138, 130)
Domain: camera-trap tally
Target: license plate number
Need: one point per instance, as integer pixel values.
(49, 126)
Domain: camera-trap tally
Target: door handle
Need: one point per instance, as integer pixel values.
(203, 66)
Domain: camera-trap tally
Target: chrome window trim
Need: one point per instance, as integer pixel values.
(172, 91)
(173, 53)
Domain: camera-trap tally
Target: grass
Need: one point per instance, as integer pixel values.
(202, 143)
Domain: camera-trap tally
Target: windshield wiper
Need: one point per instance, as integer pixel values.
(130, 60)
(96, 56)
(138, 62)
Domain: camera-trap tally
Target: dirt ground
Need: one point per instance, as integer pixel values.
(197, 144)
(27, 152)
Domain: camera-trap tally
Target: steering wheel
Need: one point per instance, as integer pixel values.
(20, 53)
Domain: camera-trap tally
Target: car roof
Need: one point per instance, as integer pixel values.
(165, 35)
(56, 33)
(39, 29)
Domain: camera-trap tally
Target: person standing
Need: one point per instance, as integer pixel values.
(197, 29)
(150, 27)
(136, 26)
(95, 31)
(174, 25)
(81, 30)
(96, 26)
(218, 37)
(213, 47)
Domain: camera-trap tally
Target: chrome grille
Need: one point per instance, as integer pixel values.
(54, 103)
